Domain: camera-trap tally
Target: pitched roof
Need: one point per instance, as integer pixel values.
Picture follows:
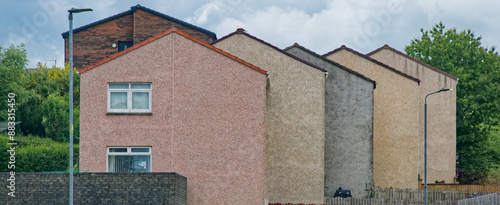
(296, 45)
(343, 47)
(172, 30)
(411, 58)
(242, 31)
(132, 10)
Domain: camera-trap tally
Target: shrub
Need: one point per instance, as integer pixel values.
(35, 154)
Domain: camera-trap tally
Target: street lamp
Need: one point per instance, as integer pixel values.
(70, 17)
(425, 141)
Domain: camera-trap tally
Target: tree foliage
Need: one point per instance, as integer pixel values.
(13, 60)
(478, 92)
(42, 96)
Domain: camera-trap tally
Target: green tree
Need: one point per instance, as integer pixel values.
(13, 60)
(478, 91)
(41, 84)
(55, 118)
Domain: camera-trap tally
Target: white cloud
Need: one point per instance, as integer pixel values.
(340, 22)
(201, 15)
(320, 25)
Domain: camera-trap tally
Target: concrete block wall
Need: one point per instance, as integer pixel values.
(96, 188)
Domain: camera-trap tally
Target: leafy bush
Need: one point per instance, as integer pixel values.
(56, 118)
(35, 154)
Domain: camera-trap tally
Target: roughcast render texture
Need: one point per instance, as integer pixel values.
(395, 119)
(348, 126)
(207, 121)
(441, 113)
(295, 116)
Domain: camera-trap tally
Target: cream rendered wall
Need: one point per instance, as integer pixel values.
(207, 121)
(295, 115)
(395, 116)
(441, 115)
(348, 126)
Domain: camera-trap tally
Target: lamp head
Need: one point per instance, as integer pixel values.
(445, 89)
(73, 10)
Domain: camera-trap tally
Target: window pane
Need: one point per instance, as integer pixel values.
(118, 100)
(140, 100)
(118, 150)
(141, 163)
(118, 86)
(126, 164)
(141, 86)
(140, 149)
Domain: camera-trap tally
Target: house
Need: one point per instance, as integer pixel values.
(98, 40)
(395, 119)
(348, 125)
(441, 116)
(295, 119)
(174, 103)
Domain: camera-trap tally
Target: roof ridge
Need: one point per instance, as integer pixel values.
(243, 32)
(343, 47)
(165, 33)
(296, 45)
(411, 58)
(133, 9)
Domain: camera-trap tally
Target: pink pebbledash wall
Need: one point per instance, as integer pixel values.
(207, 121)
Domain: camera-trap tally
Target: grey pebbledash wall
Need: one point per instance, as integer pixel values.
(348, 126)
(96, 188)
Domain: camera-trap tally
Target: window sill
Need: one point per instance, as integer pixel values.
(129, 113)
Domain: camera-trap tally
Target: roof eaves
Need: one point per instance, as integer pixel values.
(411, 58)
(66, 34)
(133, 9)
(164, 34)
(209, 33)
(221, 52)
(242, 31)
(343, 47)
(296, 45)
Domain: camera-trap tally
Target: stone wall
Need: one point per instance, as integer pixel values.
(96, 188)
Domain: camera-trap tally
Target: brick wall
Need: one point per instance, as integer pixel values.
(95, 43)
(96, 188)
(147, 25)
(460, 187)
(464, 187)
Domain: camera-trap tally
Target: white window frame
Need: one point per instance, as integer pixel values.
(129, 92)
(129, 153)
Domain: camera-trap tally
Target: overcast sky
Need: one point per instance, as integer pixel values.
(321, 25)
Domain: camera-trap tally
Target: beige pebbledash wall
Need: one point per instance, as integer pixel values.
(295, 127)
(395, 118)
(441, 113)
(207, 122)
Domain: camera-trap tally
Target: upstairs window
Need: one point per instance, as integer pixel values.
(122, 45)
(129, 97)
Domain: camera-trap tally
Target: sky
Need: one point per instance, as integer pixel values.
(320, 25)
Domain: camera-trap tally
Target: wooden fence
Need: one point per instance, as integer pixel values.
(489, 199)
(410, 196)
(352, 201)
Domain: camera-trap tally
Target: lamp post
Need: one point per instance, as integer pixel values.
(425, 141)
(70, 17)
